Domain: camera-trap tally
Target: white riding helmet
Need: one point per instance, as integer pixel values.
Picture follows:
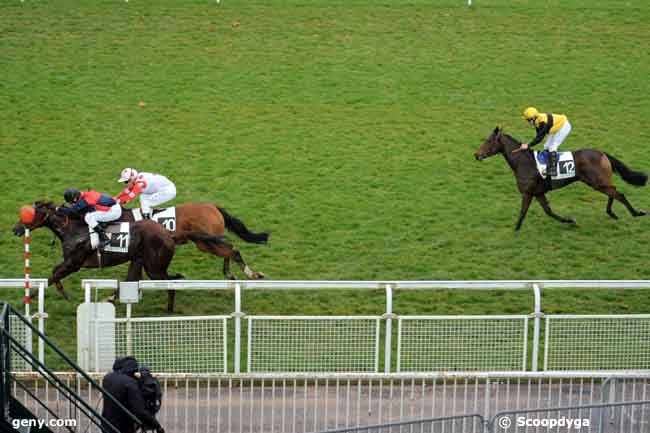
(128, 174)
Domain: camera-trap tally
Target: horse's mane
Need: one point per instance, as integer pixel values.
(45, 203)
(50, 205)
(511, 138)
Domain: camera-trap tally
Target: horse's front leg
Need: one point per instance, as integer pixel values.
(543, 201)
(525, 204)
(61, 271)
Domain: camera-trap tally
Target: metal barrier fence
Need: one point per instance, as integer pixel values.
(597, 342)
(627, 417)
(462, 343)
(290, 403)
(22, 332)
(460, 424)
(194, 344)
(313, 343)
(441, 343)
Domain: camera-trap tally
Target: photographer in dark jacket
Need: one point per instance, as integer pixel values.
(123, 386)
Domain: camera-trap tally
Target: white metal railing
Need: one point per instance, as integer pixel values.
(596, 341)
(462, 343)
(313, 343)
(193, 344)
(40, 315)
(319, 402)
(536, 286)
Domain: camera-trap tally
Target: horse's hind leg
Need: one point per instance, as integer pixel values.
(228, 252)
(613, 194)
(543, 201)
(253, 275)
(226, 269)
(609, 210)
(211, 247)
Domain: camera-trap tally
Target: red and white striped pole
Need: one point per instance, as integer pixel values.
(27, 272)
(27, 214)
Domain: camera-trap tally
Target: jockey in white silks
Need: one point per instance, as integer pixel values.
(153, 189)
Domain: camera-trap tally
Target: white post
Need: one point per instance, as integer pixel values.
(41, 321)
(389, 328)
(28, 265)
(129, 337)
(469, 2)
(537, 315)
(87, 293)
(237, 315)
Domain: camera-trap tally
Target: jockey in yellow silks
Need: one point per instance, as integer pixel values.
(556, 126)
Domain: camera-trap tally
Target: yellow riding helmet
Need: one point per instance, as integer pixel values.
(530, 113)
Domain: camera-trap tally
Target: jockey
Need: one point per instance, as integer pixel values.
(99, 208)
(556, 126)
(154, 189)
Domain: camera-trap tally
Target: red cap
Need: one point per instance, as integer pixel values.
(27, 214)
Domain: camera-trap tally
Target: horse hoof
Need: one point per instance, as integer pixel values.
(110, 299)
(640, 213)
(612, 215)
(259, 275)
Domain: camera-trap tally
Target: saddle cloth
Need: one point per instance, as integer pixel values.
(566, 166)
(166, 217)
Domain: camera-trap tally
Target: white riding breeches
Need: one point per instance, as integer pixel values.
(554, 140)
(94, 218)
(148, 201)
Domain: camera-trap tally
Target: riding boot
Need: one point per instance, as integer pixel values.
(103, 237)
(551, 168)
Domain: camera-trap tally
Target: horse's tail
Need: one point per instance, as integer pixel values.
(630, 176)
(239, 228)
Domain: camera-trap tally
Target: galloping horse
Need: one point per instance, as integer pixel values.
(150, 246)
(205, 224)
(593, 167)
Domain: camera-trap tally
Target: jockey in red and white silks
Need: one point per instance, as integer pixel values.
(153, 189)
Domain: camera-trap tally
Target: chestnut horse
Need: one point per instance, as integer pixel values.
(593, 167)
(150, 247)
(205, 224)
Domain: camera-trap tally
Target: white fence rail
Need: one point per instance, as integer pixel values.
(290, 403)
(486, 343)
(313, 343)
(563, 342)
(462, 343)
(579, 342)
(195, 344)
(24, 334)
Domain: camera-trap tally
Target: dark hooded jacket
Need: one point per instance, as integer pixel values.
(122, 385)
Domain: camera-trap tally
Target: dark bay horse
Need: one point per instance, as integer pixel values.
(150, 247)
(593, 167)
(205, 224)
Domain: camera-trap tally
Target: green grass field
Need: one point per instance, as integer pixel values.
(346, 128)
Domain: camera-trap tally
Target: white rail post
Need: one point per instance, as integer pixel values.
(237, 316)
(41, 321)
(389, 328)
(129, 336)
(537, 317)
(87, 292)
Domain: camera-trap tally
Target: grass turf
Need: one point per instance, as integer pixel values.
(346, 128)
